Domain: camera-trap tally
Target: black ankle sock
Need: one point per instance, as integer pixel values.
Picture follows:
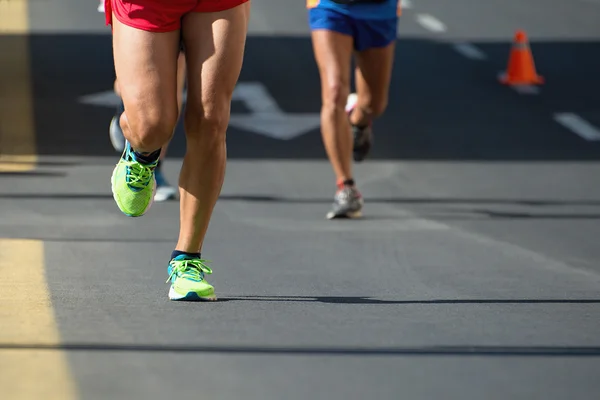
(147, 158)
(349, 182)
(176, 253)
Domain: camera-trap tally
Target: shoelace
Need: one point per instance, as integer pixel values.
(190, 269)
(138, 175)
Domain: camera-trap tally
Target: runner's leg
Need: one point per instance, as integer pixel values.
(333, 52)
(374, 63)
(146, 67)
(214, 43)
(373, 74)
(333, 44)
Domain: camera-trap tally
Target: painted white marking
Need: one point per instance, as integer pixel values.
(522, 89)
(526, 89)
(578, 125)
(470, 51)
(431, 23)
(108, 98)
(406, 4)
(266, 117)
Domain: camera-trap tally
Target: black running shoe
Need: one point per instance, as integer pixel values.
(363, 140)
(362, 136)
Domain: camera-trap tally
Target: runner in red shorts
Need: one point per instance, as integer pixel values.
(146, 41)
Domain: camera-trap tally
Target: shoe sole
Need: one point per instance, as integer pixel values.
(347, 215)
(189, 296)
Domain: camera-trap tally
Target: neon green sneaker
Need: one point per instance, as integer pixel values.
(133, 184)
(187, 279)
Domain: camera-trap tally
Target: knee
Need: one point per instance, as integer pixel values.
(372, 107)
(150, 129)
(208, 124)
(335, 94)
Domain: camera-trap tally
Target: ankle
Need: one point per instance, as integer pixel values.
(147, 158)
(342, 182)
(177, 253)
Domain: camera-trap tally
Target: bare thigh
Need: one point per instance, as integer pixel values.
(215, 44)
(333, 53)
(372, 75)
(146, 68)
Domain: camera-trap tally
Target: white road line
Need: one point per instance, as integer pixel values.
(470, 51)
(526, 89)
(578, 125)
(521, 89)
(406, 4)
(431, 23)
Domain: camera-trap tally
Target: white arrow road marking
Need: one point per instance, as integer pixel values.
(265, 118)
(283, 127)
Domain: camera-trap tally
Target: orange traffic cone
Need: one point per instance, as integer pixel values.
(521, 67)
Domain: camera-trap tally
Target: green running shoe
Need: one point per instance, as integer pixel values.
(133, 184)
(186, 275)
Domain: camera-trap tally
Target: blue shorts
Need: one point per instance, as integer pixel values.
(367, 33)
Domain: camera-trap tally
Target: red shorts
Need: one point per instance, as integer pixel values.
(161, 15)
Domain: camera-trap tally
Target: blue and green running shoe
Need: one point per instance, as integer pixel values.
(133, 184)
(186, 275)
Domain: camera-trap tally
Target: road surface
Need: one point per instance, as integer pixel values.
(474, 274)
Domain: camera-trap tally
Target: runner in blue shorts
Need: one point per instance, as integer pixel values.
(366, 29)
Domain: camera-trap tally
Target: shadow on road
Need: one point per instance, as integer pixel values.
(498, 351)
(462, 213)
(297, 200)
(33, 174)
(367, 300)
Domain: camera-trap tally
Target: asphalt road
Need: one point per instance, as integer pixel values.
(474, 274)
